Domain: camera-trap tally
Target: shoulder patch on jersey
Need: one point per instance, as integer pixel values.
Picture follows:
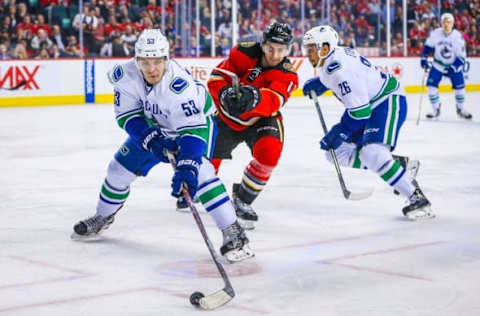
(117, 73)
(178, 85)
(247, 44)
(253, 51)
(288, 66)
(333, 66)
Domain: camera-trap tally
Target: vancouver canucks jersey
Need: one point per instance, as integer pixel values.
(358, 84)
(446, 48)
(177, 104)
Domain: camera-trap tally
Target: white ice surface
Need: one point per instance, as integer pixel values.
(316, 253)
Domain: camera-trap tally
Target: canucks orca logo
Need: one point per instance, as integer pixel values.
(178, 85)
(446, 52)
(117, 73)
(333, 66)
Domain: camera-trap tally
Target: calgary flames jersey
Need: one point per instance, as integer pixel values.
(274, 83)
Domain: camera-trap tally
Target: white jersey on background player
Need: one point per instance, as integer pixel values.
(161, 108)
(375, 109)
(449, 56)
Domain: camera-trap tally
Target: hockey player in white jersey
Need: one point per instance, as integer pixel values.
(448, 48)
(161, 108)
(375, 109)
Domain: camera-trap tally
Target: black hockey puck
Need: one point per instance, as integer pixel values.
(195, 298)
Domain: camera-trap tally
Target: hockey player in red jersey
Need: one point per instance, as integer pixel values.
(267, 79)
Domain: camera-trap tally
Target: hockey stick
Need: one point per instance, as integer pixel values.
(349, 195)
(233, 76)
(18, 86)
(421, 96)
(224, 295)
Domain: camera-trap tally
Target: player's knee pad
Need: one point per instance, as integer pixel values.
(206, 171)
(345, 154)
(375, 156)
(267, 150)
(118, 176)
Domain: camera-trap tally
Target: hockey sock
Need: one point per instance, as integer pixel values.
(214, 198)
(434, 97)
(460, 98)
(254, 179)
(379, 159)
(115, 189)
(266, 153)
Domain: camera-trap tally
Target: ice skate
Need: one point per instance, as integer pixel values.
(434, 114)
(419, 207)
(235, 244)
(464, 114)
(411, 166)
(246, 215)
(182, 205)
(92, 226)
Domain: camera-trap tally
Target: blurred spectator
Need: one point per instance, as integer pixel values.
(73, 49)
(39, 39)
(4, 55)
(57, 38)
(20, 51)
(115, 47)
(129, 38)
(89, 22)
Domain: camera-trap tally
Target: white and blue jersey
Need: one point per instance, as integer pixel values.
(446, 48)
(375, 106)
(449, 56)
(177, 104)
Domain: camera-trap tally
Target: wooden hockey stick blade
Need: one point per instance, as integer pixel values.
(215, 300)
(361, 195)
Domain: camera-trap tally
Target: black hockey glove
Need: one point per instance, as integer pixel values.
(235, 105)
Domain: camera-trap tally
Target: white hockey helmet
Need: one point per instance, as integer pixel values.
(447, 16)
(152, 43)
(320, 35)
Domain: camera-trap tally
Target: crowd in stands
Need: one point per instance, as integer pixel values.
(50, 28)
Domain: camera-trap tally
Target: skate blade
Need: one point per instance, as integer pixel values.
(423, 213)
(238, 255)
(76, 237)
(245, 224)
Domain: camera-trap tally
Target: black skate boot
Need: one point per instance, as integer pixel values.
(245, 213)
(182, 205)
(434, 114)
(235, 244)
(419, 207)
(92, 226)
(411, 166)
(464, 114)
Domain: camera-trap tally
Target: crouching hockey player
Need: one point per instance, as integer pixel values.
(375, 112)
(448, 48)
(161, 108)
(267, 79)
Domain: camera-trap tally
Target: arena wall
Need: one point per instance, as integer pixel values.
(77, 81)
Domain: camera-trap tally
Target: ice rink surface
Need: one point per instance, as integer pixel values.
(316, 253)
